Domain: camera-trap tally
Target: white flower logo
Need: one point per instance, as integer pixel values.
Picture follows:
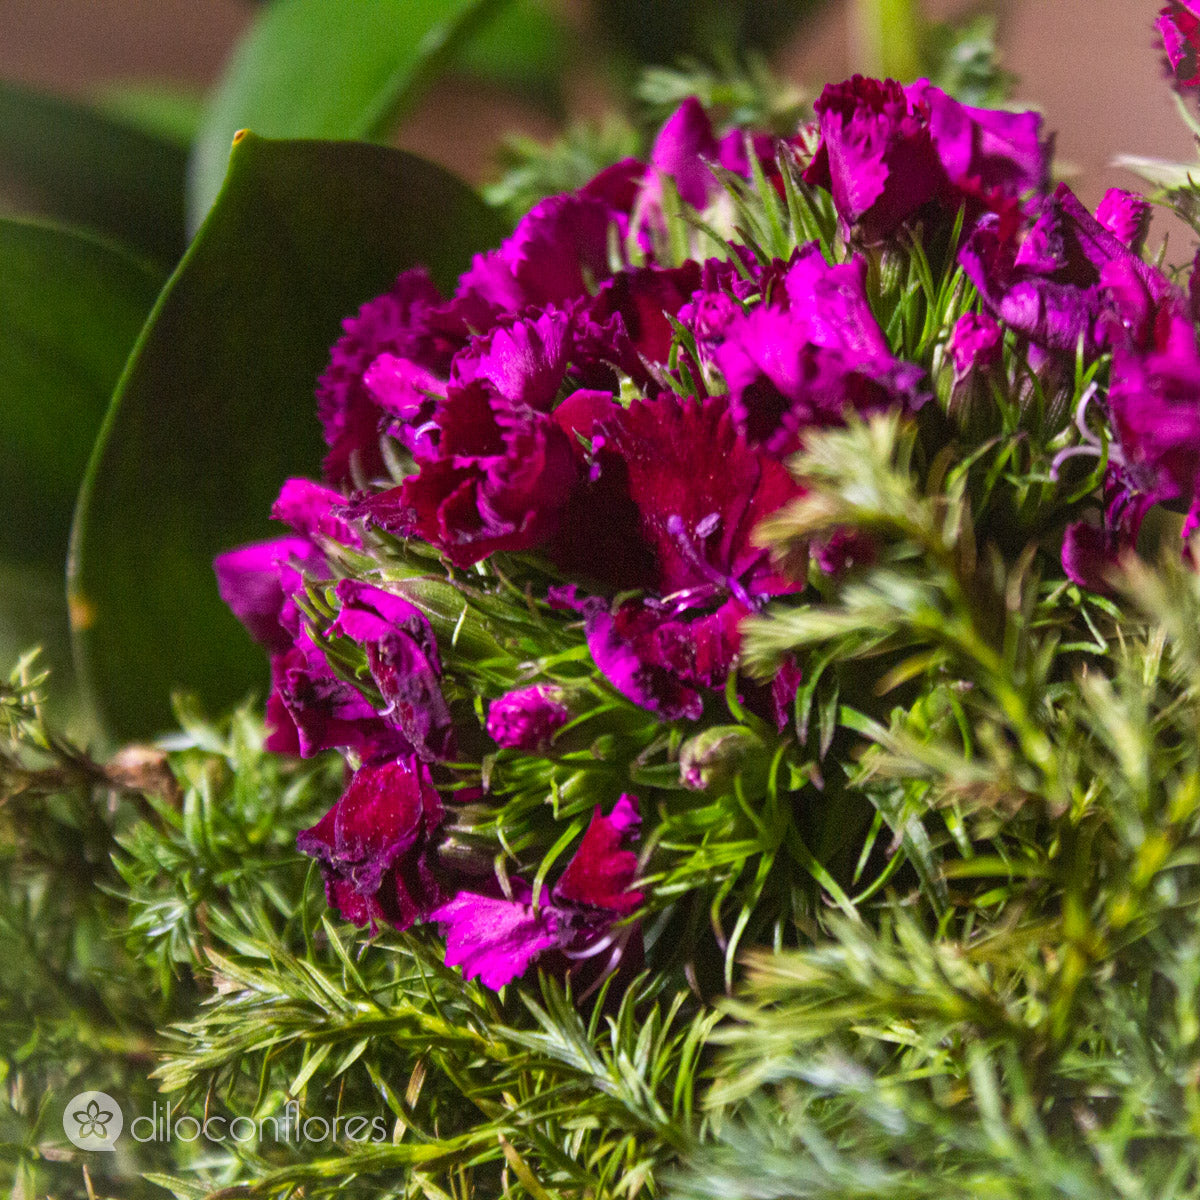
(92, 1121)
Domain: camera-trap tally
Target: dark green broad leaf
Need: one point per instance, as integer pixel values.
(216, 406)
(71, 308)
(65, 160)
(313, 69)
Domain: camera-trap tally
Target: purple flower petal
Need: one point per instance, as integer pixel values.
(997, 150)
(524, 362)
(496, 939)
(309, 509)
(251, 581)
(601, 871)
(659, 656)
(500, 481)
(407, 392)
(876, 155)
(682, 152)
(383, 819)
(403, 659)
(700, 491)
(1179, 25)
(975, 343)
(325, 711)
(556, 250)
(1125, 215)
(641, 677)
(412, 322)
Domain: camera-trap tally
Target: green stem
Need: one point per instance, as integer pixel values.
(886, 35)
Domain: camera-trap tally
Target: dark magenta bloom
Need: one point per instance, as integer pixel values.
(1179, 25)
(699, 490)
(406, 394)
(663, 656)
(811, 356)
(555, 252)
(310, 508)
(1092, 550)
(498, 938)
(523, 362)
(500, 479)
(1044, 281)
(887, 151)
(258, 582)
(402, 656)
(601, 871)
(628, 323)
(684, 151)
(411, 322)
(376, 845)
(975, 343)
(310, 709)
(527, 719)
(1125, 215)
(876, 156)
(1154, 402)
(984, 151)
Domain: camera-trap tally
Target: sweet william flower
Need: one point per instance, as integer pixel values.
(1125, 215)
(661, 655)
(876, 155)
(991, 154)
(258, 582)
(1044, 279)
(499, 480)
(810, 355)
(1179, 26)
(411, 322)
(975, 343)
(310, 709)
(556, 251)
(887, 152)
(699, 489)
(1154, 402)
(497, 938)
(376, 845)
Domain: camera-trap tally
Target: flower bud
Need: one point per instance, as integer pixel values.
(528, 718)
(715, 756)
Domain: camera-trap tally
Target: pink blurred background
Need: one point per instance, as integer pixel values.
(1092, 66)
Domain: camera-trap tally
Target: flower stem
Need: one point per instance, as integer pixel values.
(886, 36)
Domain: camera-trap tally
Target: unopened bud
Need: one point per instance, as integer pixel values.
(715, 756)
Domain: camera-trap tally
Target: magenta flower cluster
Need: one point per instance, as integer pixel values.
(628, 421)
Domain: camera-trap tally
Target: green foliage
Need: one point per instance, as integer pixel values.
(71, 307)
(1019, 1019)
(963, 61)
(76, 1010)
(661, 32)
(308, 69)
(196, 442)
(740, 94)
(93, 168)
(531, 170)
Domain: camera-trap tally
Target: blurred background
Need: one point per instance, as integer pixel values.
(1091, 65)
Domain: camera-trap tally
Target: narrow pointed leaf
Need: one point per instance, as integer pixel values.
(216, 406)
